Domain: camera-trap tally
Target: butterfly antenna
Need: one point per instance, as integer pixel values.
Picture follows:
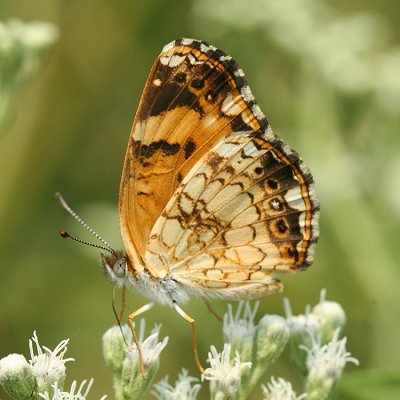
(66, 235)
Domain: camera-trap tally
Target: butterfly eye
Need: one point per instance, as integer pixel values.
(119, 267)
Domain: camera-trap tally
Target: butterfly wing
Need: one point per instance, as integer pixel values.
(245, 213)
(195, 96)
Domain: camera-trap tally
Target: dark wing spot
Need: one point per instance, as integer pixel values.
(198, 83)
(281, 226)
(179, 178)
(166, 148)
(180, 77)
(293, 253)
(190, 147)
(258, 170)
(273, 184)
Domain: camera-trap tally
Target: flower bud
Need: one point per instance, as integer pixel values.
(272, 336)
(16, 377)
(114, 347)
(332, 317)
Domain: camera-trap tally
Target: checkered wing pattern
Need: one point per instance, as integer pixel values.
(209, 195)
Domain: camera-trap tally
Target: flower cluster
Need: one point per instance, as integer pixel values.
(42, 377)
(249, 350)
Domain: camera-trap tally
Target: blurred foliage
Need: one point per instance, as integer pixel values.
(22, 46)
(326, 75)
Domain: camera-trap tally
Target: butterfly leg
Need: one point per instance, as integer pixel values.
(132, 315)
(212, 311)
(194, 337)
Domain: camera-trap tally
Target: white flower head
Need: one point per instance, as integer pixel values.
(72, 394)
(321, 321)
(324, 321)
(225, 373)
(48, 366)
(301, 324)
(151, 346)
(279, 389)
(183, 389)
(122, 357)
(326, 362)
(239, 328)
(241, 323)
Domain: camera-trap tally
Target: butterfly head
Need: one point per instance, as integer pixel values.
(115, 267)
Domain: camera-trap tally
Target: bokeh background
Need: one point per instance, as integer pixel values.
(326, 74)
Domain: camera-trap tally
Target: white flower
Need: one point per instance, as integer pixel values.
(80, 394)
(302, 325)
(225, 374)
(122, 357)
(183, 389)
(48, 366)
(239, 329)
(151, 347)
(330, 359)
(240, 325)
(325, 364)
(322, 320)
(279, 389)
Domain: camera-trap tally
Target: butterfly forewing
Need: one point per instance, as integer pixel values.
(195, 96)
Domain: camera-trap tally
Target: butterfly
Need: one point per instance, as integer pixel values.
(211, 202)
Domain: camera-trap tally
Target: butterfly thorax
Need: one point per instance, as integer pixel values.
(119, 271)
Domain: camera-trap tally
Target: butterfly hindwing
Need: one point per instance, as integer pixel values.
(245, 213)
(195, 96)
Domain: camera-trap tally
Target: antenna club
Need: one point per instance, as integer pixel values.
(64, 234)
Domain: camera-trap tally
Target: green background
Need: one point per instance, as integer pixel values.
(70, 131)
